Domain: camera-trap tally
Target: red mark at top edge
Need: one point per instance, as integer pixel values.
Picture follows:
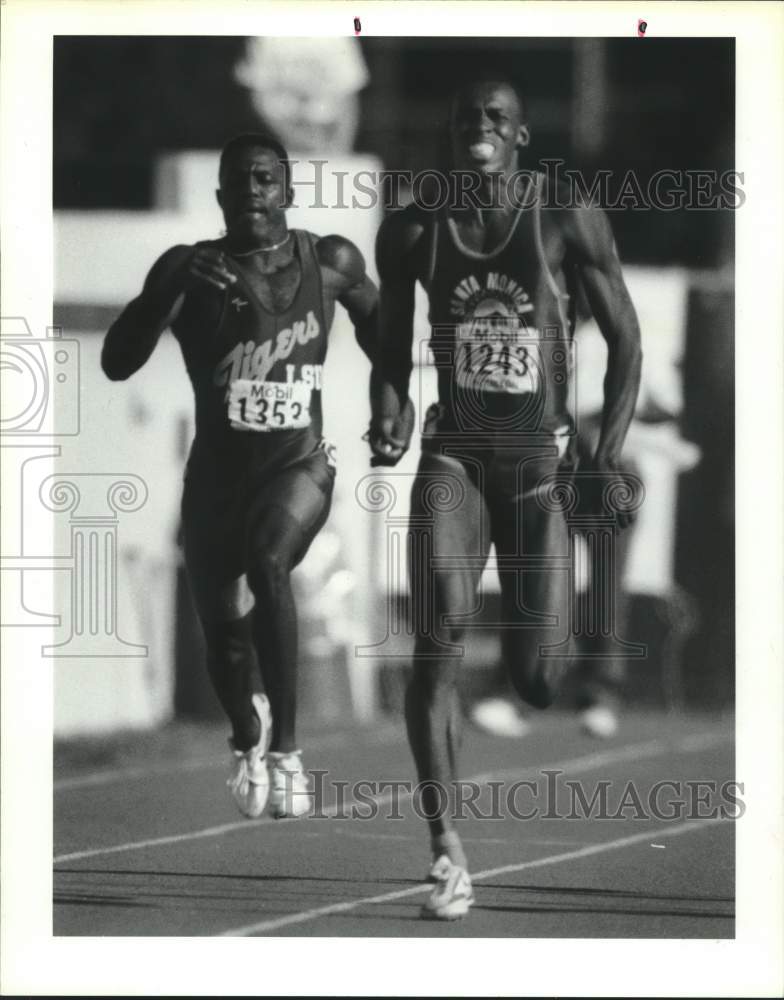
(642, 27)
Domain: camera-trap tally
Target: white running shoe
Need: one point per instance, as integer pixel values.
(439, 869)
(290, 794)
(499, 717)
(452, 894)
(249, 781)
(599, 721)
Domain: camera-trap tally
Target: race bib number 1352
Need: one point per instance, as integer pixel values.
(268, 406)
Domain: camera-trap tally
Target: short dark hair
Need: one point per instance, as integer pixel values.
(486, 79)
(266, 140)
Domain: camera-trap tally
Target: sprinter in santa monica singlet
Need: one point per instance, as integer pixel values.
(498, 271)
(501, 329)
(251, 312)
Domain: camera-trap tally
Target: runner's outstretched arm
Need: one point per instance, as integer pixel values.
(133, 336)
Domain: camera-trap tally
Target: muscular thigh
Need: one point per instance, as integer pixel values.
(226, 527)
(532, 544)
(213, 543)
(286, 515)
(449, 534)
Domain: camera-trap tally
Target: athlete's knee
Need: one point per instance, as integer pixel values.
(536, 679)
(269, 572)
(229, 646)
(438, 639)
(536, 689)
(430, 684)
(452, 634)
(436, 618)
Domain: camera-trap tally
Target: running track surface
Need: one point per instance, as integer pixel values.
(148, 841)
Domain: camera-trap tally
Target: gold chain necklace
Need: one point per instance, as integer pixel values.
(275, 246)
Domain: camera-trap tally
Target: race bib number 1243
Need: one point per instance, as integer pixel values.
(268, 406)
(496, 359)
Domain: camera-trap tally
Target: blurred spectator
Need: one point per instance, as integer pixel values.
(306, 89)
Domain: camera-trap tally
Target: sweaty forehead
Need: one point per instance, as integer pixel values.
(484, 93)
(252, 156)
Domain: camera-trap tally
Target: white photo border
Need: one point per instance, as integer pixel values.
(33, 961)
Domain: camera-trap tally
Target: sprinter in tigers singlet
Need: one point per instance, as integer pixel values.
(499, 270)
(255, 370)
(251, 312)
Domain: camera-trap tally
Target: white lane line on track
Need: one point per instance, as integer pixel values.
(576, 765)
(390, 734)
(138, 845)
(356, 835)
(130, 773)
(388, 897)
(701, 741)
(384, 735)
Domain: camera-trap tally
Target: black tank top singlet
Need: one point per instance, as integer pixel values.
(256, 374)
(501, 329)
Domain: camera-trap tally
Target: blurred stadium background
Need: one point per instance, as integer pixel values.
(138, 123)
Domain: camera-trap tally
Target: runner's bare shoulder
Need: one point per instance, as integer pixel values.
(401, 242)
(341, 256)
(577, 214)
(165, 267)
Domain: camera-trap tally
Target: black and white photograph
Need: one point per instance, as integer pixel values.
(392, 498)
